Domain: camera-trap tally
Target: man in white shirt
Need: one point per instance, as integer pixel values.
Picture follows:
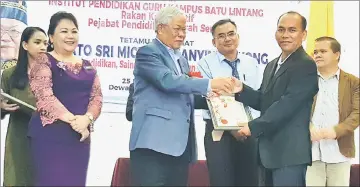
(335, 116)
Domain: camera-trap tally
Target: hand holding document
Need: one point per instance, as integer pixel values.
(4, 105)
(16, 100)
(227, 113)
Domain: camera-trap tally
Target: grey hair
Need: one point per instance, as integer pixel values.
(166, 14)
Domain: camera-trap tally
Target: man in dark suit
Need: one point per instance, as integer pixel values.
(129, 103)
(285, 98)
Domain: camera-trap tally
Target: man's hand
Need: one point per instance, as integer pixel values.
(328, 133)
(244, 131)
(237, 135)
(219, 85)
(238, 85)
(316, 134)
(80, 123)
(8, 107)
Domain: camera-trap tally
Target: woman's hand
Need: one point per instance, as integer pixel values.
(68, 117)
(80, 123)
(8, 107)
(84, 135)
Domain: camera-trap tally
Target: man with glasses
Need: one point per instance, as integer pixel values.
(231, 160)
(13, 22)
(162, 139)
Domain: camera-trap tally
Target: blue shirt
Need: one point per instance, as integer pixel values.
(213, 65)
(175, 55)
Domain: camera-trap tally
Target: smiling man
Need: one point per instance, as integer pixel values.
(13, 22)
(231, 160)
(285, 98)
(162, 139)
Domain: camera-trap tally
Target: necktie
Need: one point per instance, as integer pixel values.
(235, 74)
(181, 70)
(233, 66)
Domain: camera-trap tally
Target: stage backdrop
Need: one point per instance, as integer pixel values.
(112, 31)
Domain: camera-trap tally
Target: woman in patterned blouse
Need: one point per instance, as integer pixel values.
(68, 100)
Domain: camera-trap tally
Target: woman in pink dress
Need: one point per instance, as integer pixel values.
(68, 100)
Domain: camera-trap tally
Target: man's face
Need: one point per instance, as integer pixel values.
(324, 56)
(11, 30)
(289, 34)
(226, 39)
(174, 33)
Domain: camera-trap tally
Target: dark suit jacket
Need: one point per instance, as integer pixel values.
(200, 102)
(129, 103)
(284, 100)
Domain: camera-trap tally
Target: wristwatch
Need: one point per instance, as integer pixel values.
(91, 117)
(91, 125)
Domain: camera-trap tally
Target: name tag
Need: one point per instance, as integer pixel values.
(88, 67)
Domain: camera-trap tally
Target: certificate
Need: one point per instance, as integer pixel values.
(227, 113)
(16, 100)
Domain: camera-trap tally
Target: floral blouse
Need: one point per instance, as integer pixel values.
(49, 107)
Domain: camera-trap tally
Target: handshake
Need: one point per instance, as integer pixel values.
(228, 85)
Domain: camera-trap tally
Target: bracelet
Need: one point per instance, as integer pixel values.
(91, 125)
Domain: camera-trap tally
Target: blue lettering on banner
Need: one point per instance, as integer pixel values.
(262, 58)
(126, 52)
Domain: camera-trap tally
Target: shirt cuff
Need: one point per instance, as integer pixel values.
(209, 87)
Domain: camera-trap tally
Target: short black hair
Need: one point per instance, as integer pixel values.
(221, 22)
(303, 19)
(334, 44)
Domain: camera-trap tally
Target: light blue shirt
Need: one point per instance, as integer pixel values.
(326, 115)
(213, 65)
(175, 56)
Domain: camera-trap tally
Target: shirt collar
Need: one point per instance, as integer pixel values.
(176, 52)
(222, 58)
(337, 74)
(281, 62)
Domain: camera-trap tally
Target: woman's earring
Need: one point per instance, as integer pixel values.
(51, 45)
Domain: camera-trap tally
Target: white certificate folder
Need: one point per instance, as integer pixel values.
(227, 113)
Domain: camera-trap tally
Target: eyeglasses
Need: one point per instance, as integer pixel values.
(223, 36)
(12, 32)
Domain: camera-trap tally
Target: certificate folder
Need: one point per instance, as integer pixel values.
(227, 113)
(17, 101)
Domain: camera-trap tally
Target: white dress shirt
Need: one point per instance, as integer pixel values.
(326, 115)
